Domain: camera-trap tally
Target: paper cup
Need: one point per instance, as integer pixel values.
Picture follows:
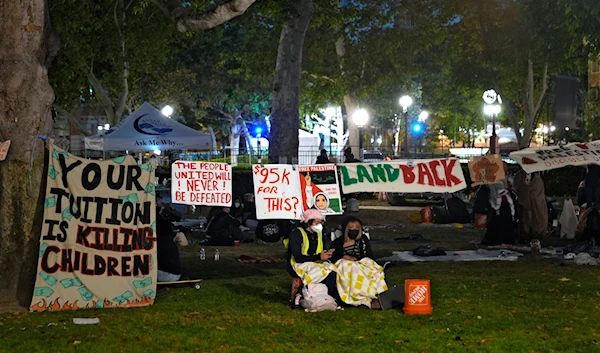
(236, 243)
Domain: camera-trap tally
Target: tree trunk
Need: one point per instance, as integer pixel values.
(26, 46)
(353, 135)
(285, 119)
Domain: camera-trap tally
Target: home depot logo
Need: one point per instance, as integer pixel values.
(417, 295)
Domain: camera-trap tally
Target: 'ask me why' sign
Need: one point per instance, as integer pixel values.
(423, 175)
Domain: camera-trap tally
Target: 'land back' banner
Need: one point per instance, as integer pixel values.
(201, 183)
(97, 247)
(422, 175)
(551, 157)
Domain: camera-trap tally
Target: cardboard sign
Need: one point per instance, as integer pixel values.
(423, 175)
(4, 149)
(486, 170)
(319, 188)
(277, 192)
(201, 183)
(551, 157)
(97, 247)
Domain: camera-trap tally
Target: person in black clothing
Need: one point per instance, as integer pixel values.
(352, 245)
(169, 263)
(273, 230)
(349, 157)
(223, 229)
(310, 230)
(592, 185)
(237, 210)
(322, 158)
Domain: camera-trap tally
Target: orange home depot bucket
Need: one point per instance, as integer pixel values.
(427, 215)
(417, 297)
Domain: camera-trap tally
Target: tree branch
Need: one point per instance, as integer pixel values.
(186, 22)
(102, 95)
(71, 119)
(315, 76)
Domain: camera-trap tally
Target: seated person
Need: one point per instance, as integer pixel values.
(360, 278)
(273, 230)
(223, 229)
(237, 209)
(307, 245)
(169, 263)
(352, 245)
(250, 219)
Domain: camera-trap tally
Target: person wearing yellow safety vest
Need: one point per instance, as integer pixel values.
(308, 244)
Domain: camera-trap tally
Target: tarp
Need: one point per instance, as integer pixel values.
(551, 157)
(147, 129)
(98, 241)
(421, 175)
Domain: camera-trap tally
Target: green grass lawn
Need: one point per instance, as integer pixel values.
(523, 306)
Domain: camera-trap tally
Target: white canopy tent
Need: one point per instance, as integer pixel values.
(147, 129)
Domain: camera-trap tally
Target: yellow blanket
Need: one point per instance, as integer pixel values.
(313, 272)
(358, 282)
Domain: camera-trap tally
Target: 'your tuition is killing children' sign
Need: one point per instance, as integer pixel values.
(422, 175)
(98, 241)
(201, 183)
(546, 158)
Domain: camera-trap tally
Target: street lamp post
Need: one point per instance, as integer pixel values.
(405, 102)
(361, 118)
(491, 109)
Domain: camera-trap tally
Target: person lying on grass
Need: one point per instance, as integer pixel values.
(359, 278)
(307, 252)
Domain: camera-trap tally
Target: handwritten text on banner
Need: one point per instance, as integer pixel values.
(201, 183)
(546, 158)
(423, 175)
(277, 192)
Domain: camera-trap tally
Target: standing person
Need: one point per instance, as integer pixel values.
(322, 158)
(533, 208)
(592, 184)
(307, 249)
(501, 225)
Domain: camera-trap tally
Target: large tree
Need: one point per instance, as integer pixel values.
(27, 46)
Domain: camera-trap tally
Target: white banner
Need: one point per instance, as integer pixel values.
(201, 183)
(320, 189)
(551, 157)
(277, 191)
(422, 175)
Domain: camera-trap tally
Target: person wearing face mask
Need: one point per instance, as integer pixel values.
(237, 209)
(308, 254)
(223, 229)
(359, 278)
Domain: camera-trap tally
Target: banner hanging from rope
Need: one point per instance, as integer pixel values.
(422, 175)
(538, 159)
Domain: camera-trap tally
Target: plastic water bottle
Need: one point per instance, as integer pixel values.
(217, 255)
(202, 254)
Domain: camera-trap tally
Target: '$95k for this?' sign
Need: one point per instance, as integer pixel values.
(277, 192)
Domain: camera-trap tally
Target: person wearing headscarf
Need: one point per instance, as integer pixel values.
(533, 207)
(501, 220)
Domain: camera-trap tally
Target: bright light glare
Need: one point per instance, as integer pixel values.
(566, 128)
(167, 110)
(331, 112)
(157, 152)
(417, 127)
(424, 115)
(405, 102)
(100, 127)
(361, 117)
(552, 128)
(545, 129)
(106, 126)
(379, 140)
(491, 109)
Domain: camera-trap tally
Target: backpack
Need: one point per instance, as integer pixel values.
(315, 298)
